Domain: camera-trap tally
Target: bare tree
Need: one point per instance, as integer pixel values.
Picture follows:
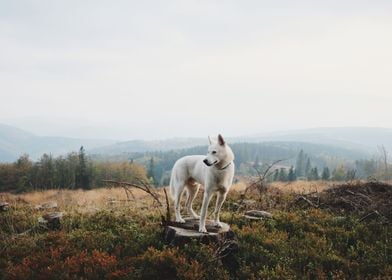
(384, 159)
(146, 187)
(260, 183)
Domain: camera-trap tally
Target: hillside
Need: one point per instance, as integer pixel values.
(103, 234)
(14, 142)
(135, 146)
(356, 138)
(345, 143)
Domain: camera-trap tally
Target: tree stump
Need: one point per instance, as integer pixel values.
(51, 221)
(178, 234)
(4, 206)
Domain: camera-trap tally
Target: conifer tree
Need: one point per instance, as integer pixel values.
(326, 174)
(276, 175)
(291, 176)
(83, 176)
(282, 175)
(308, 168)
(151, 170)
(300, 164)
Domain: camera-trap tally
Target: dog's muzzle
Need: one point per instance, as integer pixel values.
(206, 162)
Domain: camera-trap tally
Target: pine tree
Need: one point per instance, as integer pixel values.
(282, 175)
(292, 176)
(276, 175)
(83, 176)
(326, 174)
(316, 175)
(151, 170)
(313, 174)
(300, 163)
(308, 168)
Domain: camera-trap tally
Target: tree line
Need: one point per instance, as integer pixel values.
(75, 170)
(378, 169)
(252, 158)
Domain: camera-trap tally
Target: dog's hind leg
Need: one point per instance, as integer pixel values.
(179, 189)
(192, 189)
(220, 198)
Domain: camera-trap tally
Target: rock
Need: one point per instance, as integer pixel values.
(47, 205)
(4, 206)
(178, 234)
(51, 220)
(257, 215)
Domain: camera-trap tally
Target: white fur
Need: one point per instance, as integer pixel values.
(191, 171)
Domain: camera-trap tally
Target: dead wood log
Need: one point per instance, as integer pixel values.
(51, 220)
(4, 206)
(306, 200)
(257, 215)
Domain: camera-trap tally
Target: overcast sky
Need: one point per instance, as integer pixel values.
(161, 69)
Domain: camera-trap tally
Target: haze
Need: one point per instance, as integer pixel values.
(161, 69)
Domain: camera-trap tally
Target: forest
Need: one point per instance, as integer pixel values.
(72, 171)
(290, 162)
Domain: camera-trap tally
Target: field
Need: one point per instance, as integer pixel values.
(103, 235)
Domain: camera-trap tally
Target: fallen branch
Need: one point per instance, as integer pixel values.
(369, 215)
(303, 198)
(145, 187)
(168, 218)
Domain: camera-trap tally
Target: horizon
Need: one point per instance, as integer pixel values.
(255, 134)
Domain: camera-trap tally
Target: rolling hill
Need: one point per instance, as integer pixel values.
(14, 142)
(351, 142)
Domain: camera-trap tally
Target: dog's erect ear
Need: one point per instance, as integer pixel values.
(221, 141)
(209, 139)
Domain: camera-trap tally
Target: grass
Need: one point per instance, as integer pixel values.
(103, 236)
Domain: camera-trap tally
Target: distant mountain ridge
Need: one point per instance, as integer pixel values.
(363, 138)
(14, 142)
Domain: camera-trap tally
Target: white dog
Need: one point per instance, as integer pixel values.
(215, 171)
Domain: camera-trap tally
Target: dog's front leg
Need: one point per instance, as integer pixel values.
(219, 202)
(204, 209)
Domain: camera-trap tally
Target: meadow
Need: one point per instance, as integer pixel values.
(105, 235)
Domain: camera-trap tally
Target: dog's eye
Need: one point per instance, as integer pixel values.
(213, 152)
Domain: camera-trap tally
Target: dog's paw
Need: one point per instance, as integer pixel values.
(203, 230)
(195, 216)
(218, 225)
(180, 221)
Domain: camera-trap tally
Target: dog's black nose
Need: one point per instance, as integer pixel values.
(206, 162)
